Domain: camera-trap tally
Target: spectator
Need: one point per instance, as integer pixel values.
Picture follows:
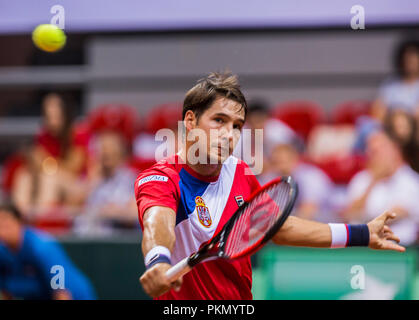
(41, 189)
(403, 129)
(274, 132)
(148, 146)
(26, 260)
(111, 202)
(35, 188)
(401, 91)
(60, 138)
(50, 177)
(388, 183)
(315, 187)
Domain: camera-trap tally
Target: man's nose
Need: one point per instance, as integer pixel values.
(227, 134)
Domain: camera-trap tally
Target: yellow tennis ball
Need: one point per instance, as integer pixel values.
(48, 37)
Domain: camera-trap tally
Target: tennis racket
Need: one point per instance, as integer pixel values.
(250, 227)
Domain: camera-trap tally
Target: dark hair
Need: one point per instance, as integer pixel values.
(258, 106)
(65, 135)
(400, 52)
(409, 147)
(9, 207)
(203, 94)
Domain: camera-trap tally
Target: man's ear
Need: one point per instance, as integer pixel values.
(190, 120)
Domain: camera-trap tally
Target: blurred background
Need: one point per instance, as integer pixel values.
(339, 108)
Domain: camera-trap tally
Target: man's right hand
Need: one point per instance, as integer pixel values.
(155, 283)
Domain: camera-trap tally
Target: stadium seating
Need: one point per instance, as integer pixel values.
(9, 170)
(330, 147)
(164, 116)
(349, 111)
(54, 221)
(301, 116)
(120, 117)
(342, 169)
(161, 116)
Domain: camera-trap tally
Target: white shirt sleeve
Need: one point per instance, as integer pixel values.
(358, 185)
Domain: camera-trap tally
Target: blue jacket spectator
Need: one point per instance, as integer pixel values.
(34, 266)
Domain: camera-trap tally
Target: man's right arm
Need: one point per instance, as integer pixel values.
(159, 230)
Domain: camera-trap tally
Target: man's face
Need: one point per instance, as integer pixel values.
(381, 151)
(110, 151)
(221, 125)
(284, 158)
(402, 126)
(54, 117)
(411, 62)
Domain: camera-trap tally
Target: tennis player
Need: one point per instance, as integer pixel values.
(183, 202)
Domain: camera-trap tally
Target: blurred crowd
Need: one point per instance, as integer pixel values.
(351, 163)
(356, 162)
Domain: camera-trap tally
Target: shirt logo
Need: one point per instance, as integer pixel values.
(203, 212)
(152, 178)
(239, 200)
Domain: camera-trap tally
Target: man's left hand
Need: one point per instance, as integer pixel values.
(381, 236)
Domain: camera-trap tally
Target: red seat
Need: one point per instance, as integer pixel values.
(54, 221)
(138, 164)
(164, 116)
(342, 169)
(10, 168)
(119, 117)
(348, 112)
(301, 116)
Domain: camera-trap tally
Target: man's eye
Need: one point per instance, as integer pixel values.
(219, 120)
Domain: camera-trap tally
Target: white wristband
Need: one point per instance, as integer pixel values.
(339, 235)
(158, 250)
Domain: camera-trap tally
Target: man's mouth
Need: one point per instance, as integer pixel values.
(223, 148)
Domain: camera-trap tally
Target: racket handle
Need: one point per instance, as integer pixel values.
(178, 270)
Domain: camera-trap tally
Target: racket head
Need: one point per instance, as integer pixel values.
(279, 195)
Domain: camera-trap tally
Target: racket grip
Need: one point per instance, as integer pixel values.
(178, 270)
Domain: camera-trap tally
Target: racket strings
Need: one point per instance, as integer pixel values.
(257, 218)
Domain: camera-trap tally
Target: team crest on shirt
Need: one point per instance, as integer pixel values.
(203, 212)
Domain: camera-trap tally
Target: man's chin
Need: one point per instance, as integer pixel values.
(217, 158)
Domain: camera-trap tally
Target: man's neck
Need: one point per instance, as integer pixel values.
(207, 170)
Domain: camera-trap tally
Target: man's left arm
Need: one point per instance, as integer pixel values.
(305, 233)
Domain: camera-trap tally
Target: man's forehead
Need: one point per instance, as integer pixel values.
(228, 106)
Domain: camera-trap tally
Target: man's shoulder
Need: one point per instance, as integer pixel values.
(237, 164)
(38, 235)
(406, 176)
(243, 173)
(38, 242)
(163, 170)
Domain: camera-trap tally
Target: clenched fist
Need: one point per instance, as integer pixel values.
(155, 283)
